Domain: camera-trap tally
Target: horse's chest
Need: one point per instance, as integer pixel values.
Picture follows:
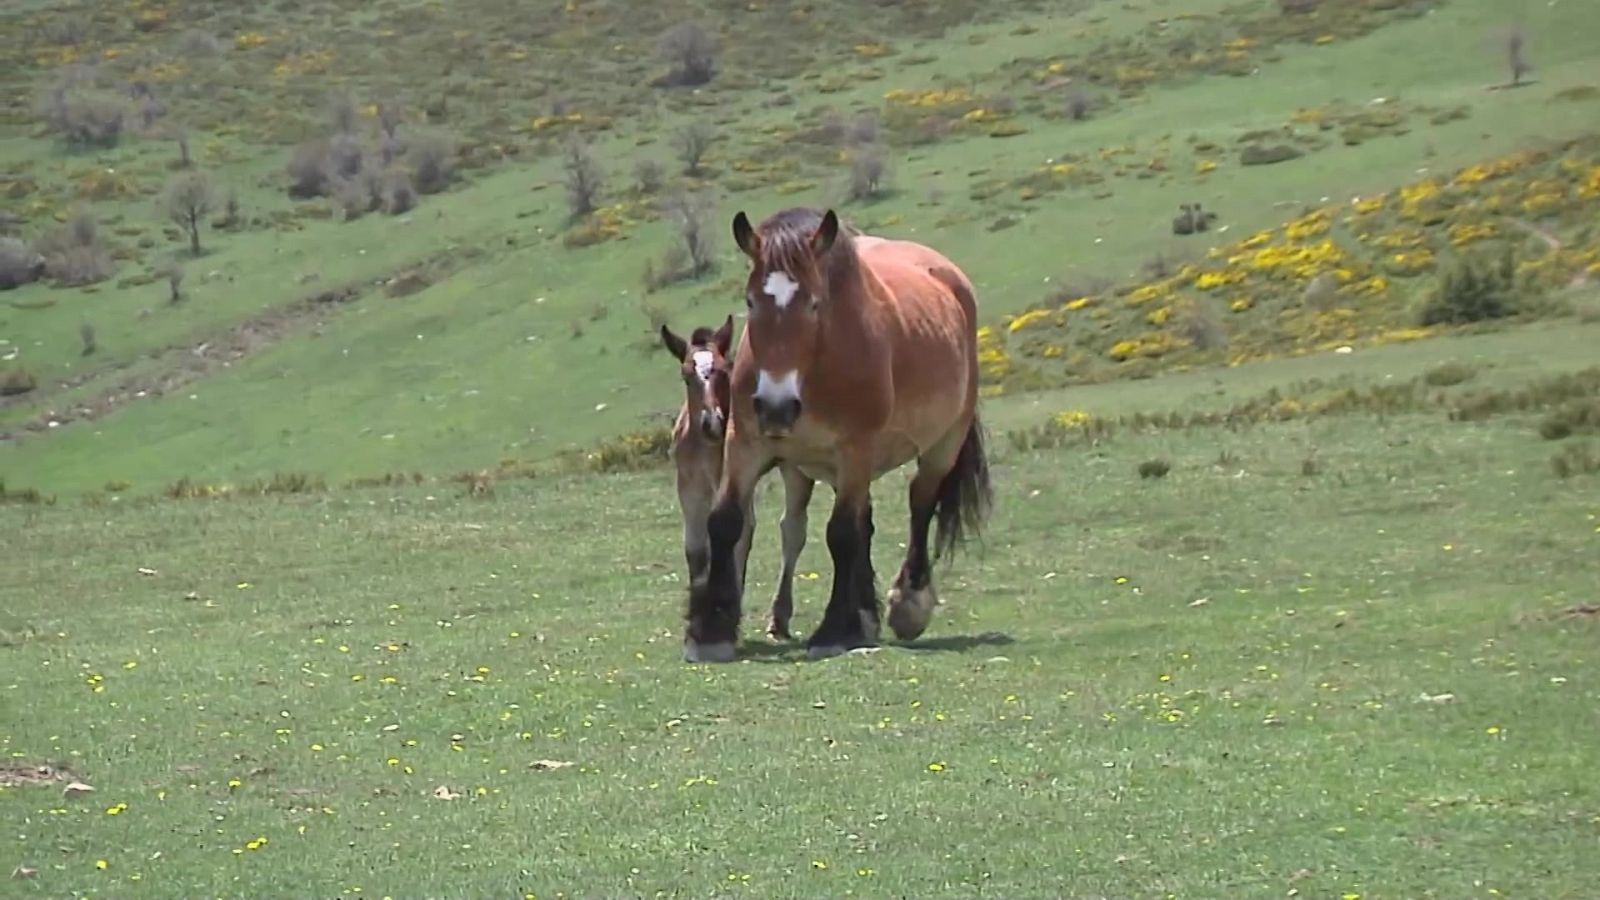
(826, 474)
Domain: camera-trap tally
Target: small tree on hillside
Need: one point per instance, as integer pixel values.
(190, 197)
(692, 215)
(693, 141)
(583, 177)
(869, 173)
(1516, 44)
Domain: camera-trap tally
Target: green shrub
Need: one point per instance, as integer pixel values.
(1473, 290)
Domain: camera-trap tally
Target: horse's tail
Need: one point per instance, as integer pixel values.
(965, 495)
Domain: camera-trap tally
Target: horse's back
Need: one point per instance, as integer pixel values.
(930, 313)
(918, 274)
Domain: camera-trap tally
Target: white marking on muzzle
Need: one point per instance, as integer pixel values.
(780, 287)
(777, 389)
(703, 360)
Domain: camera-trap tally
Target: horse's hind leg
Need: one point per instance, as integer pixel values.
(797, 490)
(911, 597)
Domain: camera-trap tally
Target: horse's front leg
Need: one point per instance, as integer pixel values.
(712, 630)
(797, 490)
(852, 617)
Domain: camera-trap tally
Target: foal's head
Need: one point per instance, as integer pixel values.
(704, 359)
(787, 293)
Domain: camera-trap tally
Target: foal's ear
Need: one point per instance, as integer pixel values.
(723, 338)
(822, 238)
(745, 236)
(677, 346)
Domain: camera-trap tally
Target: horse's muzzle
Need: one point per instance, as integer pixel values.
(777, 417)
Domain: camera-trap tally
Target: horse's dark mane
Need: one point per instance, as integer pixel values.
(702, 337)
(786, 244)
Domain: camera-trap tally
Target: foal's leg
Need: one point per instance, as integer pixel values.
(712, 628)
(911, 597)
(694, 500)
(851, 619)
(797, 489)
(742, 549)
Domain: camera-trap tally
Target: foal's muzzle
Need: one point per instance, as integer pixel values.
(776, 417)
(711, 424)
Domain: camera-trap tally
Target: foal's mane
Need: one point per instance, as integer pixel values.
(786, 245)
(703, 337)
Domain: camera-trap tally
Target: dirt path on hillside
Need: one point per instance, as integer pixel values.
(164, 371)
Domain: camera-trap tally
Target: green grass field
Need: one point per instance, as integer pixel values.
(1344, 647)
(1138, 687)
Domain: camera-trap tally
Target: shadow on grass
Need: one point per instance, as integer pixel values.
(769, 652)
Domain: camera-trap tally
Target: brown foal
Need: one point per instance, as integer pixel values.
(697, 445)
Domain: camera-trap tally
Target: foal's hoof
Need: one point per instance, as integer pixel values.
(779, 632)
(910, 611)
(714, 652)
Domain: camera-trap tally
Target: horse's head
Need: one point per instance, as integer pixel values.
(787, 294)
(706, 379)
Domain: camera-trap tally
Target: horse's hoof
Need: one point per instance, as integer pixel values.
(779, 633)
(714, 652)
(910, 611)
(851, 648)
(823, 651)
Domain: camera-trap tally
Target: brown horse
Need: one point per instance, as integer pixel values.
(697, 439)
(860, 355)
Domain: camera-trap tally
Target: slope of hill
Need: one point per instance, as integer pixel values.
(1045, 146)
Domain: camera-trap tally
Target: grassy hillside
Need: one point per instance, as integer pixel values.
(486, 324)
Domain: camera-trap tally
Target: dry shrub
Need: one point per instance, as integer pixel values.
(1200, 326)
(17, 381)
(692, 142)
(74, 252)
(691, 52)
(869, 173)
(431, 156)
(1449, 374)
(583, 178)
(19, 264)
(399, 195)
(308, 170)
(649, 176)
(79, 109)
(692, 215)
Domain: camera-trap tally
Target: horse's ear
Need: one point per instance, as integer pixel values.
(745, 236)
(677, 346)
(723, 338)
(822, 238)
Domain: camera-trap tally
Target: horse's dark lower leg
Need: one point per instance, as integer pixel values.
(866, 582)
(851, 619)
(713, 618)
(911, 597)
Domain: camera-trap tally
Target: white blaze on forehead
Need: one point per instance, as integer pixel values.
(772, 388)
(702, 364)
(780, 287)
